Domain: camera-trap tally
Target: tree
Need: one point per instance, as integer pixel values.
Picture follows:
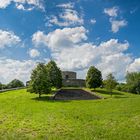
(55, 75)
(133, 82)
(40, 82)
(110, 83)
(0, 86)
(93, 78)
(15, 83)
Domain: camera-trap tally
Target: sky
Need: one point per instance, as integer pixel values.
(74, 33)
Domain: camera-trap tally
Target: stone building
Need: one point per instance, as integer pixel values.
(70, 79)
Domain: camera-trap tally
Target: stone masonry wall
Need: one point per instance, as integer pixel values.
(68, 75)
(74, 83)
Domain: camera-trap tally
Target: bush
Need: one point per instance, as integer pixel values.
(15, 84)
(122, 87)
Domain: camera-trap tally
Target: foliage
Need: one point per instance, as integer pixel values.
(25, 117)
(40, 82)
(110, 83)
(0, 86)
(122, 87)
(4, 86)
(55, 75)
(93, 78)
(15, 83)
(133, 82)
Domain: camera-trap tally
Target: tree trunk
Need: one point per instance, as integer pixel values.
(111, 93)
(39, 95)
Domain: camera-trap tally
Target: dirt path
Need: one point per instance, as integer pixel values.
(74, 94)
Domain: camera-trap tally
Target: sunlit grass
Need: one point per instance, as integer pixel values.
(24, 116)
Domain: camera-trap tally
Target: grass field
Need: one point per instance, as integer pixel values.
(23, 116)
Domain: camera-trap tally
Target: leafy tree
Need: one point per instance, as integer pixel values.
(15, 83)
(110, 83)
(55, 75)
(4, 86)
(133, 82)
(0, 86)
(93, 78)
(40, 82)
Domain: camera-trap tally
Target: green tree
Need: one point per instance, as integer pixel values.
(55, 75)
(110, 83)
(4, 86)
(40, 82)
(93, 78)
(133, 82)
(0, 86)
(15, 83)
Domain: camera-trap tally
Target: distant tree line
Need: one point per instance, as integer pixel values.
(94, 80)
(46, 77)
(132, 84)
(13, 84)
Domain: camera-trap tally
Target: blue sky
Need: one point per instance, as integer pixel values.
(75, 33)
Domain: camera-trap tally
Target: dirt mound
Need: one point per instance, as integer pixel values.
(74, 94)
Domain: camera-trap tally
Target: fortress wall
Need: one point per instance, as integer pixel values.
(68, 75)
(74, 83)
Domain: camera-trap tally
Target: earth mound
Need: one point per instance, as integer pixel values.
(74, 94)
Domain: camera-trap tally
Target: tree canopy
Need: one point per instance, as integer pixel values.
(54, 74)
(15, 83)
(0, 86)
(40, 82)
(133, 82)
(93, 78)
(110, 83)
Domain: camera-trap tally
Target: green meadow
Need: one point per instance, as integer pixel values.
(25, 117)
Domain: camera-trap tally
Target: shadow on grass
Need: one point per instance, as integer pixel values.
(49, 99)
(118, 97)
(106, 92)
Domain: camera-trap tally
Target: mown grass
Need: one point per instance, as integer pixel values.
(24, 116)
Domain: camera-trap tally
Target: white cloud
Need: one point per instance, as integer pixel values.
(21, 3)
(21, 7)
(113, 46)
(60, 38)
(71, 16)
(93, 21)
(69, 5)
(34, 53)
(69, 48)
(67, 18)
(11, 69)
(117, 24)
(39, 38)
(112, 12)
(134, 66)
(116, 64)
(54, 20)
(75, 58)
(8, 39)
(4, 3)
